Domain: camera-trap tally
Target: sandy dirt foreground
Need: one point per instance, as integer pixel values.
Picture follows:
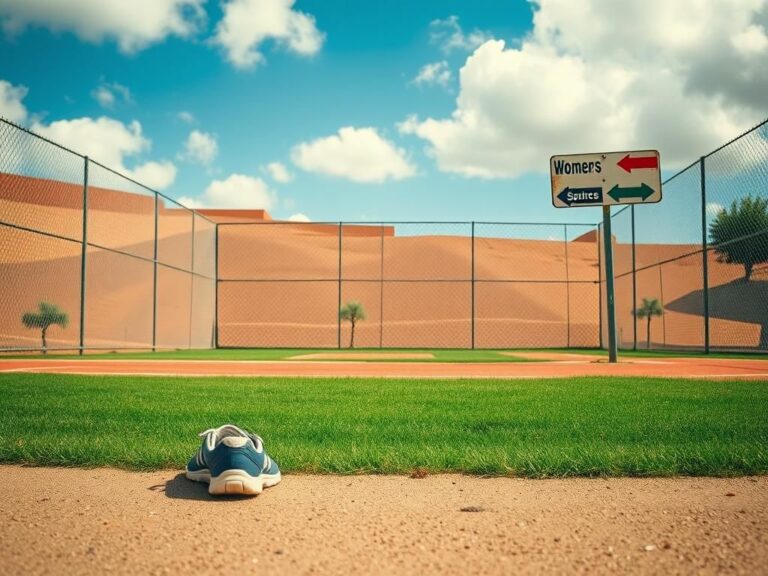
(63, 521)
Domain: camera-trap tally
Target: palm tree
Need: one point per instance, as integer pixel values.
(46, 316)
(352, 311)
(650, 308)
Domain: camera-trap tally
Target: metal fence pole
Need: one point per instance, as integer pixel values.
(83, 256)
(567, 290)
(338, 306)
(634, 282)
(704, 246)
(599, 286)
(154, 277)
(192, 284)
(473, 288)
(216, 287)
(610, 299)
(663, 316)
(381, 292)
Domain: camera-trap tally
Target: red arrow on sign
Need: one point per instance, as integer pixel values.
(637, 162)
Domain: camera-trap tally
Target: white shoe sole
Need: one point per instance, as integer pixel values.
(235, 482)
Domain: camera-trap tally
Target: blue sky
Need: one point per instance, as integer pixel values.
(331, 90)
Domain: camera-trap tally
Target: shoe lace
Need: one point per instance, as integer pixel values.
(255, 438)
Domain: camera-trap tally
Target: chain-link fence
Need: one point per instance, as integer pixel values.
(421, 284)
(701, 254)
(91, 259)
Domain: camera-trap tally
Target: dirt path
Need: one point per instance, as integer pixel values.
(719, 368)
(63, 521)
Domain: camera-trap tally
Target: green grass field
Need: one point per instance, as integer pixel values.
(535, 428)
(439, 355)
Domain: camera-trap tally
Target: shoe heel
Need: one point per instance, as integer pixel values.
(237, 482)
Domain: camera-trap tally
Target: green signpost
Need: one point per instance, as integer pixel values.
(607, 179)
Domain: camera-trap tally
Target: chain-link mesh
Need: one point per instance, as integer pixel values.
(705, 304)
(583, 275)
(41, 210)
(623, 251)
(145, 274)
(203, 301)
(524, 274)
(422, 285)
(278, 285)
(174, 234)
(37, 269)
(124, 278)
(121, 213)
(41, 184)
(204, 247)
(118, 303)
(737, 227)
(278, 314)
(668, 248)
(427, 295)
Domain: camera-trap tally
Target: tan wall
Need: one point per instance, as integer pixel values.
(119, 288)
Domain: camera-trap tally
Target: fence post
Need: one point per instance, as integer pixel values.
(704, 246)
(634, 282)
(567, 290)
(338, 305)
(663, 316)
(154, 282)
(216, 286)
(192, 284)
(599, 286)
(610, 294)
(473, 288)
(381, 292)
(83, 256)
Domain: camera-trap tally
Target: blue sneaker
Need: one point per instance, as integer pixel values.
(233, 461)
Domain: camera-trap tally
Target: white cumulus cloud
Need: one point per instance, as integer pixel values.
(247, 24)
(449, 36)
(357, 154)
(235, 191)
(201, 148)
(107, 94)
(713, 209)
(156, 175)
(299, 217)
(278, 172)
(434, 73)
(11, 106)
(133, 24)
(599, 75)
(186, 117)
(112, 143)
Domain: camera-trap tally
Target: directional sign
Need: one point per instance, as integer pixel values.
(605, 179)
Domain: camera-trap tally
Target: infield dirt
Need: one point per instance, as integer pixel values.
(66, 521)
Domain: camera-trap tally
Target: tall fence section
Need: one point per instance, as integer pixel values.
(702, 254)
(91, 259)
(422, 285)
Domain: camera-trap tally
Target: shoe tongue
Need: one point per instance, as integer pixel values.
(230, 430)
(234, 441)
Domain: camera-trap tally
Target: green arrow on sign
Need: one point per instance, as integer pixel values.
(643, 192)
